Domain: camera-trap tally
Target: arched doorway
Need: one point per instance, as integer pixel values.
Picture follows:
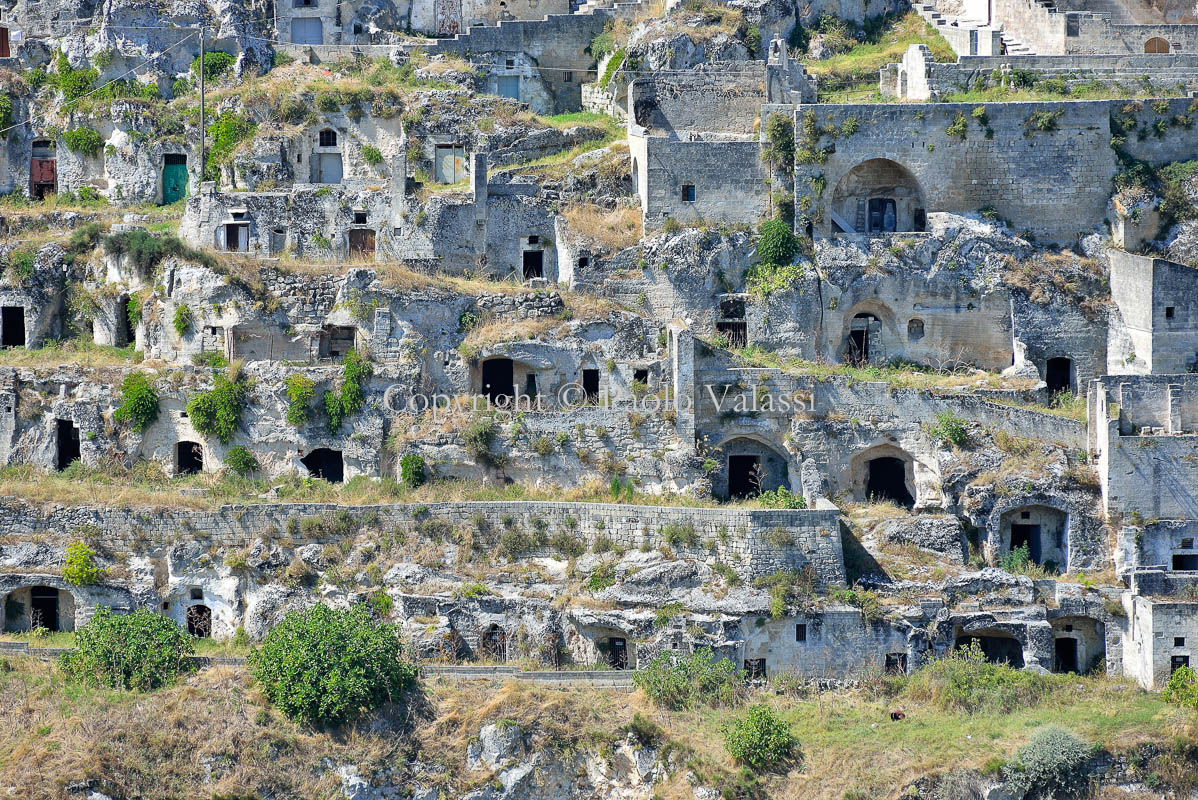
(878, 196)
(747, 467)
(1156, 45)
(884, 473)
(189, 458)
(862, 329)
(325, 463)
(493, 643)
(1058, 374)
(199, 621)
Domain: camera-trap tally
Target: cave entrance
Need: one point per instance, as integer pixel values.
(996, 648)
(887, 480)
(1029, 536)
(68, 444)
(126, 334)
(617, 652)
(744, 477)
(199, 621)
(43, 608)
(494, 643)
(534, 264)
(326, 464)
(1065, 655)
(1058, 374)
(12, 326)
(189, 458)
(860, 330)
(499, 380)
(590, 385)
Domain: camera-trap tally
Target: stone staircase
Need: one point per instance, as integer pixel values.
(966, 36)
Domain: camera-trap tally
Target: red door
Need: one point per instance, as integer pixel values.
(4, 43)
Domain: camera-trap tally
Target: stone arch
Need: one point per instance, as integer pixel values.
(1042, 523)
(43, 603)
(878, 196)
(748, 464)
(1000, 646)
(1156, 45)
(199, 620)
(865, 332)
(886, 472)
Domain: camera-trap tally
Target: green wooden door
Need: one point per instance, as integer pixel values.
(174, 182)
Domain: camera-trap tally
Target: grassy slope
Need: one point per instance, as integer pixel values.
(156, 746)
(887, 47)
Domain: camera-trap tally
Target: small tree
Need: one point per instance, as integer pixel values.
(217, 412)
(759, 739)
(412, 470)
(80, 568)
(139, 402)
(183, 319)
(300, 391)
(326, 666)
(141, 651)
(241, 461)
(776, 244)
(701, 678)
(1183, 687)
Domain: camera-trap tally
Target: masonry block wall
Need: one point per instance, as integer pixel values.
(726, 180)
(723, 101)
(1159, 314)
(754, 542)
(1158, 632)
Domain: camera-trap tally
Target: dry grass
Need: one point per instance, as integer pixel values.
(611, 230)
(74, 352)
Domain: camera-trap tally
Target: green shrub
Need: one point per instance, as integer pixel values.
(326, 666)
(1183, 688)
(959, 127)
(1052, 766)
(759, 739)
(217, 412)
(679, 535)
(73, 83)
(146, 250)
(80, 568)
(21, 264)
(687, 681)
(372, 155)
(139, 402)
(183, 319)
(776, 243)
(216, 63)
(542, 446)
(356, 369)
(227, 130)
(963, 680)
(781, 498)
(603, 577)
(241, 461)
(300, 391)
(613, 66)
(949, 429)
(780, 141)
(412, 471)
(85, 141)
(141, 651)
(478, 436)
(5, 114)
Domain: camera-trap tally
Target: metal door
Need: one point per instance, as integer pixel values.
(509, 86)
(328, 168)
(307, 30)
(174, 179)
(447, 17)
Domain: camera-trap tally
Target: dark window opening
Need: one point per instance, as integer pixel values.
(755, 669)
(1179, 641)
(688, 193)
(744, 476)
(533, 264)
(1177, 662)
(919, 220)
(530, 384)
(498, 380)
(337, 340)
(640, 375)
(915, 330)
(569, 77)
(199, 621)
(617, 653)
(1025, 515)
(357, 29)
(590, 384)
(326, 464)
(732, 309)
(534, 239)
(68, 443)
(189, 458)
(328, 138)
(1168, 312)
(801, 632)
(1187, 544)
(127, 334)
(1027, 536)
(887, 480)
(1185, 562)
(197, 593)
(583, 262)
(509, 63)
(43, 608)
(12, 326)
(1058, 374)
(997, 649)
(359, 217)
(1065, 655)
(896, 663)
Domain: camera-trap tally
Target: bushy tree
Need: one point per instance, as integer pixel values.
(1052, 766)
(217, 412)
(141, 651)
(759, 739)
(677, 682)
(776, 244)
(139, 402)
(241, 461)
(326, 666)
(80, 568)
(412, 470)
(1183, 687)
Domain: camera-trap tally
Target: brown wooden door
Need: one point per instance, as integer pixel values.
(361, 243)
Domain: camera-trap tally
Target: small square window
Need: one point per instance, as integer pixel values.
(328, 138)
(1025, 515)
(1187, 544)
(583, 261)
(1179, 641)
(509, 63)
(641, 375)
(1068, 629)
(197, 594)
(359, 217)
(800, 633)
(688, 193)
(569, 77)
(534, 239)
(1168, 312)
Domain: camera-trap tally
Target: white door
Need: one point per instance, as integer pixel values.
(328, 168)
(307, 30)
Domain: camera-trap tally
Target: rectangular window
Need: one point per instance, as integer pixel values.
(359, 217)
(1187, 544)
(800, 633)
(328, 138)
(569, 78)
(1168, 312)
(688, 193)
(1179, 641)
